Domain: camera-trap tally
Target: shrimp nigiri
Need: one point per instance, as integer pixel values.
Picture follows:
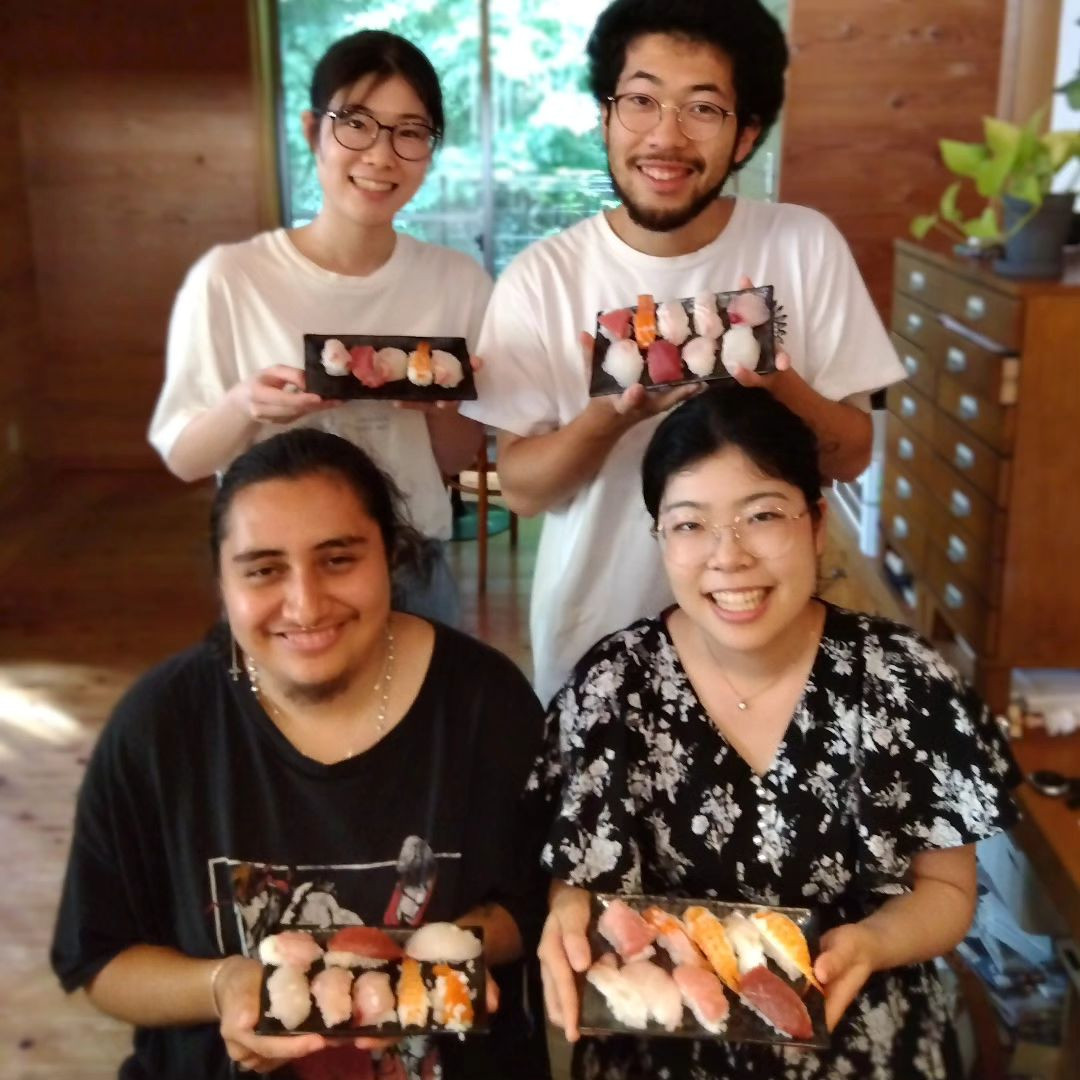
(671, 934)
(420, 370)
(707, 932)
(784, 943)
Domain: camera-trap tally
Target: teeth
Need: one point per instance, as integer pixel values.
(371, 185)
(738, 599)
(657, 172)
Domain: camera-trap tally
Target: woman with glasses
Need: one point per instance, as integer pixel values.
(755, 743)
(234, 365)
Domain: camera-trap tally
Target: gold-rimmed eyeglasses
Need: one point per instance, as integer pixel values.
(359, 130)
(640, 113)
(766, 532)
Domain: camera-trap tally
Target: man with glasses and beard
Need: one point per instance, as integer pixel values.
(686, 92)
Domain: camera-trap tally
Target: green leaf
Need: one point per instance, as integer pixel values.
(963, 159)
(948, 208)
(1029, 189)
(922, 224)
(1061, 146)
(984, 227)
(992, 175)
(1071, 90)
(1002, 138)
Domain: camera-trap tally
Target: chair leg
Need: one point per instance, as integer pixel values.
(513, 529)
(482, 519)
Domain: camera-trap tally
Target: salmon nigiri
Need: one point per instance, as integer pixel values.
(707, 932)
(671, 934)
(784, 943)
(453, 1006)
(645, 321)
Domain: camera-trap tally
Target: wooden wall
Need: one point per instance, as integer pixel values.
(139, 151)
(873, 85)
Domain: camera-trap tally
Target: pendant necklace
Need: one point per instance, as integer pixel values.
(742, 701)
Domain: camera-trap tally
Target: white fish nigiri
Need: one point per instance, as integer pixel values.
(704, 996)
(332, 991)
(749, 308)
(746, 941)
(672, 322)
(622, 998)
(626, 931)
(699, 355)
(446, 368)
(373, 1000)
(290, 1001)
(707, 321)
(658, 989)
(335, 357)
(739, 348)
(393, 363)
(443, 942)
(291, 948)
(623, 362)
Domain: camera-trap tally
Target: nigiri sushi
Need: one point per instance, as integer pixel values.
(672, 936)
(446, 368)
(739, 348)
(412, 996)
(707, 321)
(622, 998)
(290, 1001)
(749, 308)
(623, 362)
(332, 991)
(626, 931)
(776, 1003)
(784, 943)
(443, 943)
(420, 371)
(658, 989)
(453, 1008)
(394, 363)
(672, 322)
(707, 932)
(291, 948)
(335, 358)
(361, 946)
(704, 996)
(615, 325)
(746, 941)
(664, 363)
(645, 321)
(373, 1000)
(365, 368)
(699, 355)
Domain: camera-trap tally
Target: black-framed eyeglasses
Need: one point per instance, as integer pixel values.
(765, 532)
(359, 130)
(640, 113)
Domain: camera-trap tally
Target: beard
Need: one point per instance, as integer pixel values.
(317, 693)
(668, 220)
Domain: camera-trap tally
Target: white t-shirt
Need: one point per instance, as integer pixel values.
(247, 306)
(598, 568)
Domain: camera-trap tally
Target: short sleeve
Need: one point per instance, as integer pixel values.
(936, 770)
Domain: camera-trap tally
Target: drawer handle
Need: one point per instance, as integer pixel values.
(963, 456)
(968, 407)
(917, 280)
(903, 487)
(906, 448)
(914, 321)
(954, 598)
(959, 504)
(911, 365)
(955, 359)
(975, 307)
(899, 526)
(908, 407)
(957, 550)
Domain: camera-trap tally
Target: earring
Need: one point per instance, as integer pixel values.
(234, 651)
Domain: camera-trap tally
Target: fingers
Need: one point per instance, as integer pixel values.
(588, 347)
(746, 377)
(562, 953)
(745, 282)
(477, 363)
(491, 994)
(783, 361)
(377, 1045)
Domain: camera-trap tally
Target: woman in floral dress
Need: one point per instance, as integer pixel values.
(756, 743)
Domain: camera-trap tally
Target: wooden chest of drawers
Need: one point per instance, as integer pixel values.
(981, 500)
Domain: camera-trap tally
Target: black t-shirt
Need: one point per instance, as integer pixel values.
(200, 827)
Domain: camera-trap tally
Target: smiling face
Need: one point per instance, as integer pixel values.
(306, 585)
(664, 179)
(736, 600)
(367, 187)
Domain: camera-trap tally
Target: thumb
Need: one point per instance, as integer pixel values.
(783, 361)
(834, 960)
(588, 346)
(745, 282)
(577, 949)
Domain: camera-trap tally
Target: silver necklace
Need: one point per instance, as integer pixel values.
(742, 701)
(381, 688)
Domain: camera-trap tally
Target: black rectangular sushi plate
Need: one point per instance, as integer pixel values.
(601, 383)
(743, 1024)
(474, 970)
(348, 387)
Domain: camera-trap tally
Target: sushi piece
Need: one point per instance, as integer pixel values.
(776, 1003)
(673, 322)
(661, 995)
(746, 941)
(373, 1000)
(412, 996)
(626, 931)
(699, 355)
(335, 358)
(707, 932)
(707, 321)
(443, 943)
(645, 321)
(446, 368)
(749, 308)
(664, 363)
(291, 948)
(332, 991)
(364, 367)
(739, 348)
(420, 371)
(453, 1007)
(361, 946)
(704, 996)
(393, 363)
(290, 1001)
(623, 363)
(623, 999)
(615, 325)
(784, 943)
(672, 936)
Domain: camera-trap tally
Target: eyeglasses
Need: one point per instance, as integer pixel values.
(357, 130)
(697, 120)
(763, 533)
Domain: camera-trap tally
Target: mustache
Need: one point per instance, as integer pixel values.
(652, 159)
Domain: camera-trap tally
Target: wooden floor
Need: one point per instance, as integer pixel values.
(101, 575)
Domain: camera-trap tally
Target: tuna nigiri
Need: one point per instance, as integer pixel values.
(291, 948)
(420, 371)
(615, 325)
(776, 1003)
(784, 943)
(672, 936)
(645, 321)
(373, 1000)
(626, 931)
(365, 368)
(412, 996)
(672, 322)
(290, 1001)
(623, 362)
(361, 946)
(704, 995)
(623, 999)
(708, 934)
(664, 363)
(453, 1008)
(332, 991)
(658, 989)
(746, 941)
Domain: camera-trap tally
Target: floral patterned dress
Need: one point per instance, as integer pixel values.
(888, 753)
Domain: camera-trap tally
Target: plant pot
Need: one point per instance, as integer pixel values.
(1036, 250)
